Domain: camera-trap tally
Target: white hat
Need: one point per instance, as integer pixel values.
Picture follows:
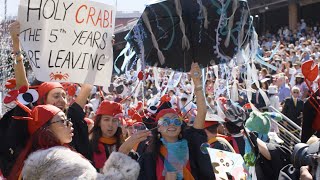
(264, 80)
(184, 95)
(273, 90)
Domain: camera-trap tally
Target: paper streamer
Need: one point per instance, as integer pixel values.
(185, 41)
(153, 38)
(156, 78)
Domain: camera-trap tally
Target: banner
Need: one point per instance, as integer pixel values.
(227, 163)
(67, 40)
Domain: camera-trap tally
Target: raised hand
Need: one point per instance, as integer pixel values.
(195, 73)
(133, 140)
(14, 29)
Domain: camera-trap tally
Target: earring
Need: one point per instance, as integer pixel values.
(159, 135)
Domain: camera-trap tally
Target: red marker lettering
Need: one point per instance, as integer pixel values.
(77, 20)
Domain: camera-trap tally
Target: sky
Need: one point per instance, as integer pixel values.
(123, 5)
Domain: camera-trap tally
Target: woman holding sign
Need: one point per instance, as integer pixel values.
(49, 93)
(53, 93)
(174, 152)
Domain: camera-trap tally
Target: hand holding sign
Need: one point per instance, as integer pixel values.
(14, 29)
(68, 41)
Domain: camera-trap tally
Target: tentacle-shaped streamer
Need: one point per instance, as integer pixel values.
(230, 23)
(185, 40)
(153, 38)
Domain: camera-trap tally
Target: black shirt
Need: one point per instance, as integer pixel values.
(80, 139)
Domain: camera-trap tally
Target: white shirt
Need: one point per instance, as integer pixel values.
(95, 104)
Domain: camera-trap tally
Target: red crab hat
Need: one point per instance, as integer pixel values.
(45, 88)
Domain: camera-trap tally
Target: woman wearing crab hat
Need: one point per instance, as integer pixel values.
(47, 154)
(174, 151)
(106, 135)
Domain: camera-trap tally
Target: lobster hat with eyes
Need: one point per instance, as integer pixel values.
(45, 88)
(38, 116)
(109, 108)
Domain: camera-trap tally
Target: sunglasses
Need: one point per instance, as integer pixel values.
(296, 92)
(66, 122)
(168, 121)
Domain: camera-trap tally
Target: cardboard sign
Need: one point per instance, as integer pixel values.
(67, 40)
(224, 163)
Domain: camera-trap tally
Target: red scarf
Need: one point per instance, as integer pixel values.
(231, 139)
(160, 166)
(100, 158)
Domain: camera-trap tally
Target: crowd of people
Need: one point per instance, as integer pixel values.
(154, 123)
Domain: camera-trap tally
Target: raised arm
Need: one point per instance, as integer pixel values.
(19, 69)
(81, 99)
(200, 99)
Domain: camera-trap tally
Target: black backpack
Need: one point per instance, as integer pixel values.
(13, 137)
(270, 169)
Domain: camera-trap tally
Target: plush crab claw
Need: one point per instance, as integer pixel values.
(11, 96)
(11, 83)
(23, 95)
(310, 73)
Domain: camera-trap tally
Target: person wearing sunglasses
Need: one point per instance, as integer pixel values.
(48, 155)
(174, 149)
(293, 106)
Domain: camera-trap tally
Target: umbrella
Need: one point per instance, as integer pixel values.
(174, 33)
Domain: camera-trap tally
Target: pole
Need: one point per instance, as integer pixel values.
(5, 10)
(286, 118)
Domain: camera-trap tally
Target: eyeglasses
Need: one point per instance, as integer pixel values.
(168, 121)
(66, 122)
(296, 92)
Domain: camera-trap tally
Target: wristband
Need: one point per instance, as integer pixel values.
(18, 53)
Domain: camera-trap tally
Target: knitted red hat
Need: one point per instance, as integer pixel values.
(109, 108)
(166, 111)
(41, 115)
(44, 89)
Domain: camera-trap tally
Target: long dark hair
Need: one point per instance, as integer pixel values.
(155, 142)
(43, 138)
(96, 134)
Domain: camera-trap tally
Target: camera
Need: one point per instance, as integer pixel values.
(307, 155)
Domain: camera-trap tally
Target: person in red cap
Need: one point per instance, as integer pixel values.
(47, 154)
(53, 93)
(129, 126)
(106, 135)
(174, 150)
(215, 140)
